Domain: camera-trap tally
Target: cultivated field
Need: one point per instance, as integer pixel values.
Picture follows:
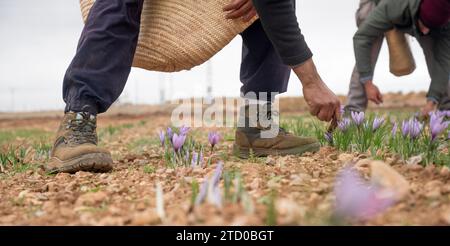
(407, 177)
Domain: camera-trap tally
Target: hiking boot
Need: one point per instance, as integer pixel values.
(253, 139)
(248, 142)
(75, 148)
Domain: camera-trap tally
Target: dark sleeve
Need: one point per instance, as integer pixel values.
(440, 66)
(280, 24)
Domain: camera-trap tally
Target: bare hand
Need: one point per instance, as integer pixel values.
(322, 102)
(240, 9)
(373, 93)
(428, 108)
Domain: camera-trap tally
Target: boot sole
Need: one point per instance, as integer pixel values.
(244, 153)
(95, 162)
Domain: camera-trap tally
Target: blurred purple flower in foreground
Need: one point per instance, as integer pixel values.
(358, 117)
(355, 198)
(437, 125)
(162, 138)
(377, 123)
(178, 141)
(213, 138)
(210, 188)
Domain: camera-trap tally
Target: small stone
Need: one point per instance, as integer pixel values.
(270, 161)
(170, 171)
(316, 174)
(289, 212)
(385, 176)
(333, 156)
(91, 198)
(445, 216)
(148, 217)
(255, 184)
(433, 194)
(344, 157)
(140, 206)
(445, 172)
(414, 167)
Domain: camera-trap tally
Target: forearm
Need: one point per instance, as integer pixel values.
(280, 24)
(307, 73)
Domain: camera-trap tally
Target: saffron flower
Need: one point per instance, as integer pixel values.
(178, 141)
(358, 117)
(356, 198)
(213, 138)
(162, 137)
(169, 133)
(437, 125)
(344, 124)
(415, 128)
(405, 128)
(377, 123)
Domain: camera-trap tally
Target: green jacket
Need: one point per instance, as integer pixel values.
(403, 15)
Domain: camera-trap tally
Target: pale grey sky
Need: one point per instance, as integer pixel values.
(38, 40)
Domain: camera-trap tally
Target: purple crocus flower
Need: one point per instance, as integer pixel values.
(437, 125)
(344, 124)
(448, 135)
(184, 130)
(377, 123)
(405, 128)
(162, 137)
(213, 138)
(357, 199)
(358, 117)
(329, 137)
(178, 141)
(394, 129)
(217, 174)
(415, 128)
(169, 133)
(203, 192)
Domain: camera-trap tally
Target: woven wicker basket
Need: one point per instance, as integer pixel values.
(178, 35)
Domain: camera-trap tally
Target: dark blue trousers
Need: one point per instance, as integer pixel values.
(98, 72)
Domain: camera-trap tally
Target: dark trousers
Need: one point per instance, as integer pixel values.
(98, 72)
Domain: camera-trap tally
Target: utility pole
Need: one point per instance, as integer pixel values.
(209, 82)
(162, 89)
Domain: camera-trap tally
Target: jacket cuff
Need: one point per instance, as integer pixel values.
(295, 61)
(364, 79)
(433, 99)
